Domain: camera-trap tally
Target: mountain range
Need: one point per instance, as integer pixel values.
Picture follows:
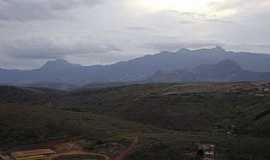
(215, 64)
(224, 71)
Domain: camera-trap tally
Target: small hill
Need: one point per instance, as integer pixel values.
(27, 95)
(53, 86)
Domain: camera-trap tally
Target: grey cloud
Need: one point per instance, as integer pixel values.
(136, 28)
(105, 31)
(186, 22)
(215, 20)
(207, 20)
(44, 49)
(191, 18)
(25, 10)
(172, 46)
(260, 48)
(240, 5)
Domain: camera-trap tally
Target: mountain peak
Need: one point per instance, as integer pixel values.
(58, 64)
(58, 61)
(219, 49)
(183, 50)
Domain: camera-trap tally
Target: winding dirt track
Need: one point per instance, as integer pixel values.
(2, 157)
(81, 153)
(121, 156)
(128, 151)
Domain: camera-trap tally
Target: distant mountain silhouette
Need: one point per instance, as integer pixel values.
(59, 64)
(224, 71)
(60, 71)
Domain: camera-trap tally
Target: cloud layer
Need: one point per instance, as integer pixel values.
(105, 31)
(28, 10)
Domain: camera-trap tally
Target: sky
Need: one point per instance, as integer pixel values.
(90, 32)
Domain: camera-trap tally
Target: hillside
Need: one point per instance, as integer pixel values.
(28, 95)
(168, 118)
(178, 107)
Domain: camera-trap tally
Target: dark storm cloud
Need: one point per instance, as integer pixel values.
(25, 10)
(44, 49)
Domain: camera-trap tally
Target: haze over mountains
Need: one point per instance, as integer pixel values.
(224, 71)
(214, 64)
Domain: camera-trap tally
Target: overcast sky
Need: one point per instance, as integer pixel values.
(106, 31)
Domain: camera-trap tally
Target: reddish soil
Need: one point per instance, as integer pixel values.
(127, 151)
(70, 147)
(80, 153)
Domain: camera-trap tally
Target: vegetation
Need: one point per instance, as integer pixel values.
(168, 118)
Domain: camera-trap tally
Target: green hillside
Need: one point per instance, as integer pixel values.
(169, 119)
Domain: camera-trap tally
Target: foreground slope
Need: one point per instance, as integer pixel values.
(168, 118)
(184, 107)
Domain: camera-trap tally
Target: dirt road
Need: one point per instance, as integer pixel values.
(80, 153)
(2, 157)
(121, 156)
(71, 149)
(127, 151)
